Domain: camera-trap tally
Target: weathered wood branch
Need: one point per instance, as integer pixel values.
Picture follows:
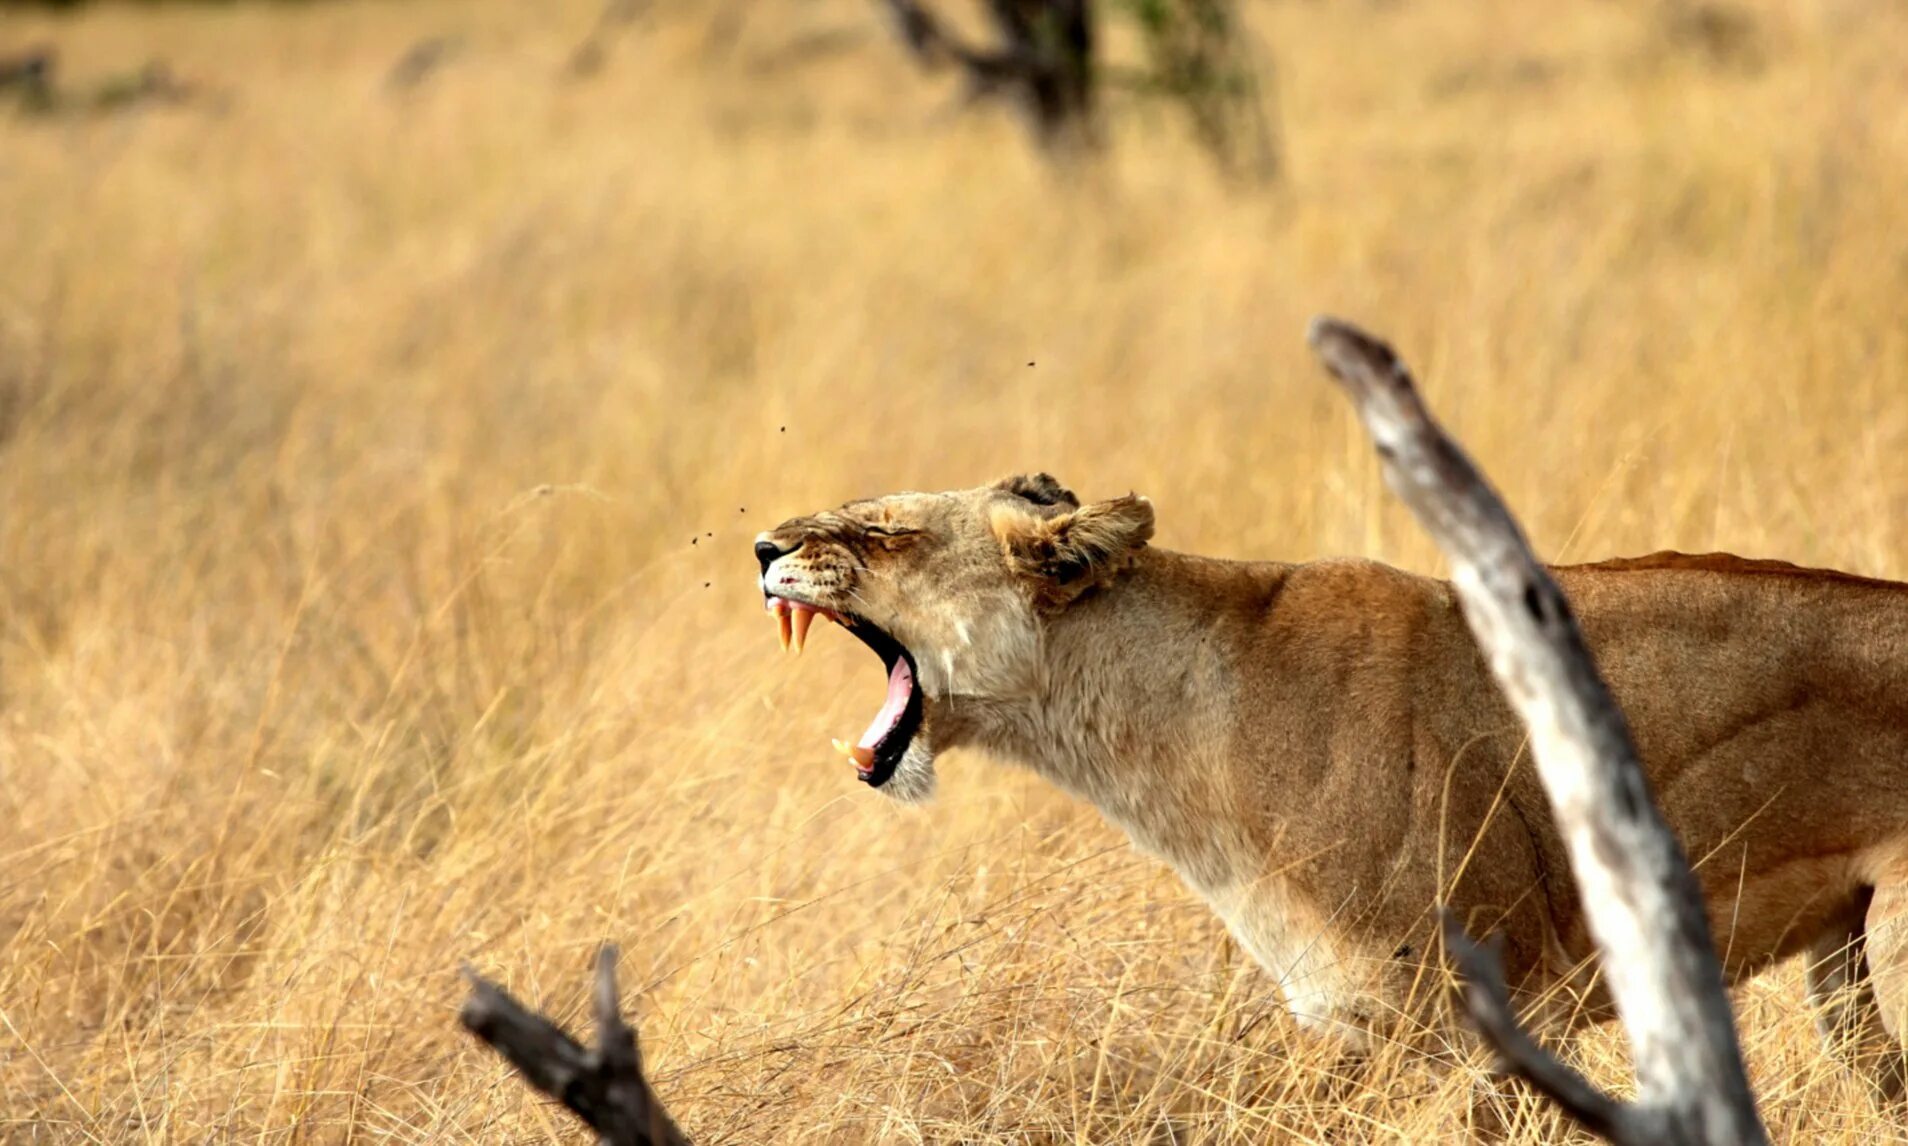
(603, 1086)
(1642, 902)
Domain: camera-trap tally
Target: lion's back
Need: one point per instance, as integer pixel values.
(1769, 701)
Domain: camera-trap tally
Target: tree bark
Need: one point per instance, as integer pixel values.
(1642, 902)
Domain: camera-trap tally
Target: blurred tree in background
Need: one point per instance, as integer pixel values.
(1046, 56)
(1197, 57)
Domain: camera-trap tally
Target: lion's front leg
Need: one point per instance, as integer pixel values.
(1344, 985)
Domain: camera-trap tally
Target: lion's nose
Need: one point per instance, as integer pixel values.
(767, 551)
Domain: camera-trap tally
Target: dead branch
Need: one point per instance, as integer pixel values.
(1641, 900)
(603, 1086)
(1487, 1001)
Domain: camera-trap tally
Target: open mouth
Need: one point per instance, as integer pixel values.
(880, 749)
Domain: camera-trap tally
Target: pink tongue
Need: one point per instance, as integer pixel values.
(900, 687)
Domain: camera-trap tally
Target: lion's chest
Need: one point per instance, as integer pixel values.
(1281, 927)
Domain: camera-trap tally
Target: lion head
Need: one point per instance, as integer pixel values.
(951, 591)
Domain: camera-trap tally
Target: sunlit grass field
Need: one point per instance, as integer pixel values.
(378, 467)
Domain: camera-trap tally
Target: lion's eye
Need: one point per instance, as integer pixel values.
(891, 531)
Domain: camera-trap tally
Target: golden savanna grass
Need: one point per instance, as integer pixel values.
(378, 468)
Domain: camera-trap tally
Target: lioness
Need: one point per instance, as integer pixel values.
(1320, 751)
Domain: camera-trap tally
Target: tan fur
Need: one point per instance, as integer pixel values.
(1320, 751)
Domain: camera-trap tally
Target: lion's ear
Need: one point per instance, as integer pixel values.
(1042, 489)
(1062, 555)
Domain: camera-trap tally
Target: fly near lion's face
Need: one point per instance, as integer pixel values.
(947, 589)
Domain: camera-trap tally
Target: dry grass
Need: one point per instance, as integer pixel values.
(354, 443)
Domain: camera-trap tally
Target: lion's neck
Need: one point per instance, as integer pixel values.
(1132, 705)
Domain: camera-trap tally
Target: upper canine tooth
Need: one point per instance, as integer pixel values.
(804, 617)
(781, 621)
(863, 757)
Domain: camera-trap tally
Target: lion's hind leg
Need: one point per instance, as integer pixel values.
(1859, 1026)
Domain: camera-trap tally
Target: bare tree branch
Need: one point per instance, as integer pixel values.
(604, 1087)
(1487, 1001)
(1642, 903)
